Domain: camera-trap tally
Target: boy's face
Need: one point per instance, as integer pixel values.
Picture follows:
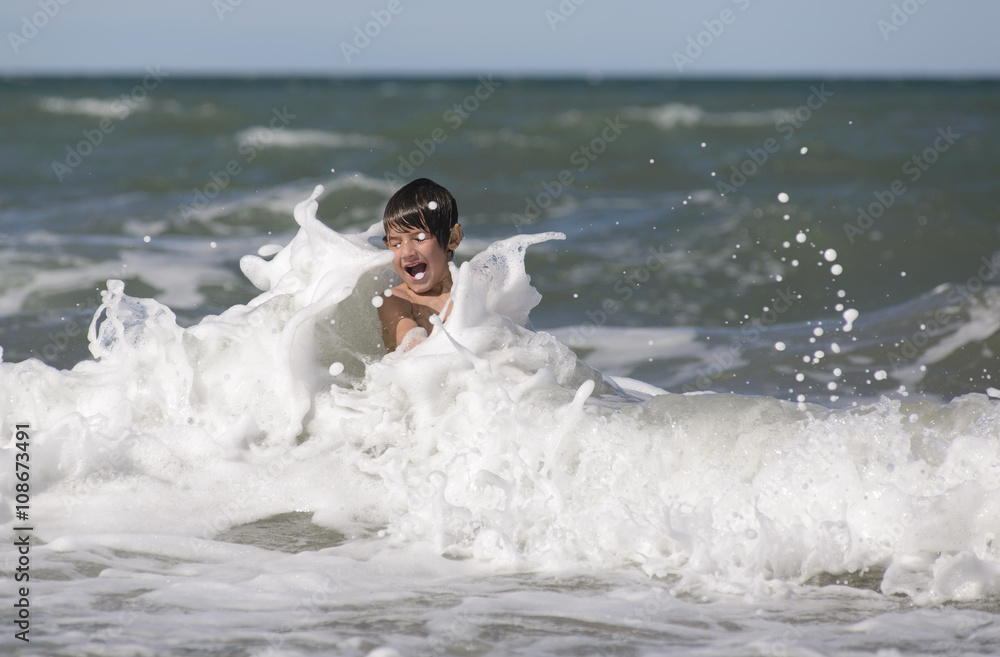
(418, 259)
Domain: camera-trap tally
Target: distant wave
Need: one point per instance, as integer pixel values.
(264, 137)
(111, 108)
(485, 139)
(277, 199)
(674, 115)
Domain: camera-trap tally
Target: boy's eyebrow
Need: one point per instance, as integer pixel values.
(401, 233)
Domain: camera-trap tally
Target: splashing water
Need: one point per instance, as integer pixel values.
(489, 442)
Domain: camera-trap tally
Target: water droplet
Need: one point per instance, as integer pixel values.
(850, 315)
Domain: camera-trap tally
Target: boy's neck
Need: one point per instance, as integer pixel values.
(443, 287)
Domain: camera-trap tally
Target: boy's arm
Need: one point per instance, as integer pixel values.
(396, 315)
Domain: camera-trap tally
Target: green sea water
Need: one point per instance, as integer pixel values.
(687, 205)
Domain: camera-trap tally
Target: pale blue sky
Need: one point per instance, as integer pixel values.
(429, 37)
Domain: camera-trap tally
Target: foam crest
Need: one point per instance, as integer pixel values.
(489, 442)
(717, 493)
(111, 108)
(259, 137)
(679, 115)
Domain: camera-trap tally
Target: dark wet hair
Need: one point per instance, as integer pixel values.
(409, 209)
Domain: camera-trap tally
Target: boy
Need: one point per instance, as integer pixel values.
(422, 231)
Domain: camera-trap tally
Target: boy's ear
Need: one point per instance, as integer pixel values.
(455, 238)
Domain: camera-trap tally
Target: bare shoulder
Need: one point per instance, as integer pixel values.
(396, 316)
(395, 306)
(396, 302)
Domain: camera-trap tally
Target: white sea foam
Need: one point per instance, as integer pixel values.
(259, 137)
(620, 350)
(178, 277)
(679, 115)
(487, 442)
(277, 199)
(110, 108)
(984, 321)
(669, 116)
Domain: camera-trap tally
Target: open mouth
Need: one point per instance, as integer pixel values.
(417, 271)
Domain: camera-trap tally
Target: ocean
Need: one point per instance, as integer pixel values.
(721, 375)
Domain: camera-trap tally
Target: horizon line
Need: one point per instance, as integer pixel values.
(594, 78)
